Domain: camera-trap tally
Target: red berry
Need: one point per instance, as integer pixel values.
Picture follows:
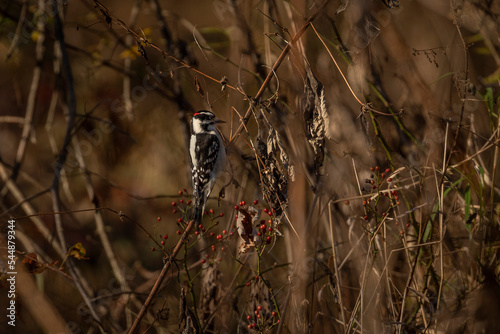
(165, 237)
(174, 211)
(259, 308)
(255, 202)
(211, 234)
(365, 217)
(262, 227)
(185, 190)
(181, 201)
(270, 213)
(248, 284)
(376, 168)
(174, 204)
(248, 318)
(200, 226)
(259, 234)
(388, 170)
(211, 211)
(178, 232)
(188, 202)
(389, 180)
(219, 237)
(274, 314)
(365, 202)
(346, 202)
(162, 242)
(180, 192)
(203, 261)
(224, 232)
(266, 210)
(270, 229)
(236, 207)
(242, 203)
(159, 218)
(179, 220)
(269, 221)
(196, 232)
(256, 312)
(221, 214)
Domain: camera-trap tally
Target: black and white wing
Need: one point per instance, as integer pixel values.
(203, 151)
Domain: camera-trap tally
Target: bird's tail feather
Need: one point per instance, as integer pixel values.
(199, 207)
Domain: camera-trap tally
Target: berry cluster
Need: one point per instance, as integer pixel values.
(382, 186)
(182, 211)
(265, 228)
(261, 320)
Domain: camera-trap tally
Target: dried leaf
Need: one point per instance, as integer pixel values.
(274, 181)
(315, 117)
(273, 144)
(223, 83)
(187, 320)
(78, 251)
(247, 216)
(210, 294)
(34, 265)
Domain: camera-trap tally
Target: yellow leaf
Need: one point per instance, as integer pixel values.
(34, 35)
(131, 53)
(78, 251)
(147, 31)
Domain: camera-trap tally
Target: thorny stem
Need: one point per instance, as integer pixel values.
(260, 273)
(190, 282)
(381, 137)
(159, 280)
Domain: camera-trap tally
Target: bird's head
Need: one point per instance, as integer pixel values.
(204, 121)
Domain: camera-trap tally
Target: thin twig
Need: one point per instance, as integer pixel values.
(277, 64)
(166, 267)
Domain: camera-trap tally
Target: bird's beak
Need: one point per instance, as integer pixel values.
(217, 121)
